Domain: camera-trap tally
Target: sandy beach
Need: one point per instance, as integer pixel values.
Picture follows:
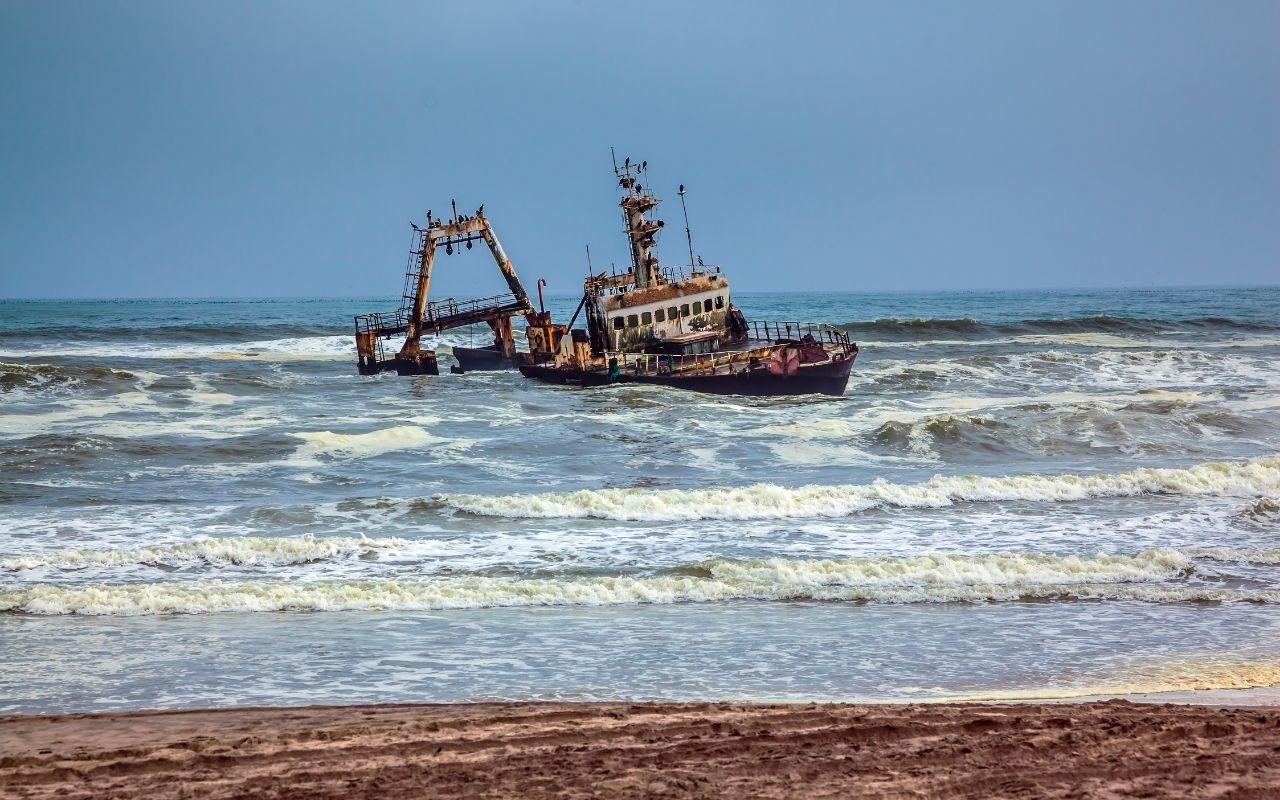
(1104, 749)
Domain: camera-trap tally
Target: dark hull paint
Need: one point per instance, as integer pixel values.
(829, 379)
(424, 364)
(479, 359)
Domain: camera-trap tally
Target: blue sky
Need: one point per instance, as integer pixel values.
(273, 149)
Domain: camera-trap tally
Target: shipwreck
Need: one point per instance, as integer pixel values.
(651, 324)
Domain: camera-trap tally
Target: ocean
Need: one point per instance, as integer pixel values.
(1021, 495)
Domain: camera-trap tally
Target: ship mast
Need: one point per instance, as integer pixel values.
(642, 233)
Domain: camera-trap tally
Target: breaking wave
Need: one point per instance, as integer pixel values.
(1263, 508)
(1027, 569)
(360, 445)
(298, 348)
(921, 579)
(43, 376)
(1229, 556)
(1125, 369)
(923, 328)
(232, 551)
(769, 501)
(919, 436)
(1157, 423)
(192, 331)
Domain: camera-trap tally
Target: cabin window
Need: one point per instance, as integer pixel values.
(719, 301)
(673, 313)
(684, 310)
(697, 306)
(618, 323)
(659, 316)
(646, 318)
(632, 320)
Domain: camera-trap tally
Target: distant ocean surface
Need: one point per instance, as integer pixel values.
(1022, 494)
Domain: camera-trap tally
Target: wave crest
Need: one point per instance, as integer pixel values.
(920, 579)
(231, 551)
(770, 501)
(923, 328)
(361, 445)
(30, 376)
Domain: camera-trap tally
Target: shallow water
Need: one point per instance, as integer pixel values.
(1021, 494)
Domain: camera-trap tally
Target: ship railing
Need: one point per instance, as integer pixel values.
(439, 313)
(385, 323)
(731, 361)
(768, 330)
(624, 282)
(449, 307)
(677, 274)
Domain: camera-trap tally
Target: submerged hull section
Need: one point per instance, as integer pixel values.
(480, 359)
(829, 379)
(422, 363)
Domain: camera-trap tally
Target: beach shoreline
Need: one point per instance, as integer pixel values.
(1111, 748)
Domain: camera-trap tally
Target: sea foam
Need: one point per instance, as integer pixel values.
(299, 348)
(360, 445)
(770, 501)
(236, 551)
(923, 579)
(1188, 676)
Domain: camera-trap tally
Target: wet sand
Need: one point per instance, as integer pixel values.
(1104, 749)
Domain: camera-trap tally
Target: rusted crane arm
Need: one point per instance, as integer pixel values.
(504, 264)
(414, 328)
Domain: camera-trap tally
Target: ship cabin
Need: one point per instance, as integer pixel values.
(690, 344)
(638, 320)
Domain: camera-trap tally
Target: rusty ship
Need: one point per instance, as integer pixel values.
(679, 327)
(651, 324)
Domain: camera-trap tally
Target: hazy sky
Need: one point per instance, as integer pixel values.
(257, 149)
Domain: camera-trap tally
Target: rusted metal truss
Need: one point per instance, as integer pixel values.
(417, 316)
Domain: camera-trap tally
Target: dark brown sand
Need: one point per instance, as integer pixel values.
(1094, 750)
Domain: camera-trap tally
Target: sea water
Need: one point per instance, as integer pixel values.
(1021, 494)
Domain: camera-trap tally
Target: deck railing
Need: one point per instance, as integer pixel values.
(384, 323)
(733, 360)
(438, 314)
(794, 331)
(695, 364)
(449, 308)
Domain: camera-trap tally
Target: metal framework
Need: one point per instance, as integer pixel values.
(416, 316)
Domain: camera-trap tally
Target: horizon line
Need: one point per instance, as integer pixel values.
(286, 297)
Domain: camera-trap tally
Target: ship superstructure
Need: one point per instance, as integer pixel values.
(680, 327)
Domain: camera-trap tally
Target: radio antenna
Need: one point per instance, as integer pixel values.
(687, 235)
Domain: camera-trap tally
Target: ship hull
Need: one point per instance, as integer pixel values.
(423, 363)
(827, 379)
(480, 359)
